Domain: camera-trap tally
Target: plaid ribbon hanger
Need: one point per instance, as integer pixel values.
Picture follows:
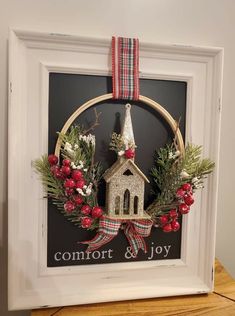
(125, 68)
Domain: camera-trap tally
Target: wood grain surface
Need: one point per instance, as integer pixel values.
(224, 283)
(221, 302)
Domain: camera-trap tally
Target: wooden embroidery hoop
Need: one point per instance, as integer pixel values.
(154, 105)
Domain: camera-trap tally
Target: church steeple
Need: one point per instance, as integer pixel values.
(127, 129)
(124, 180)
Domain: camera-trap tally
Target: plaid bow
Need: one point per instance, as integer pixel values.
(125, 68)
(135, 232)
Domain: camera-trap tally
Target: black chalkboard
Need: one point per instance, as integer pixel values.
(66, 93)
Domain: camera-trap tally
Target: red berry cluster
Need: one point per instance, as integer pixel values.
(74, 179)
(90, 215)
(169, 222)
(184, 195)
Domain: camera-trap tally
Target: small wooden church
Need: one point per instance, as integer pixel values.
(125, 182)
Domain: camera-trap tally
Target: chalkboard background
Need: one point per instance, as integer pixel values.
(66, 93)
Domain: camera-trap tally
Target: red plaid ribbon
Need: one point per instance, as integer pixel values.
(135, 232)
(125, 68)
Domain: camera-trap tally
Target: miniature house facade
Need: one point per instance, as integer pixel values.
(125, 190)
(125, 182)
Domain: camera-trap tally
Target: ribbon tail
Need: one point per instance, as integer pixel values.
(98, 241)
(108, 229)
(135, 232)
(136, 243)
(135, 240)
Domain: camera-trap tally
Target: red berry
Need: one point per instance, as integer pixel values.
(86, 222)
(184, 208)
(59, 175)
(52, 159)
(86, 209)
(69, 183)
(180, 193)
(175, 226)
(96, 212)
(129, 153)
(167, 228)
(163, 219)
(69, 206)
(66, 170)
(69, 191)
(54, 169)
(173, 214)
(77, 175)
(186, 187)
(78, 199)
(66, 162)
(80, 184)
(189, 200)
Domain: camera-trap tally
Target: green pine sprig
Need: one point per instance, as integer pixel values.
(168, 173)
(117, 143)
(81, 150)
(194, 165)
(52, 186)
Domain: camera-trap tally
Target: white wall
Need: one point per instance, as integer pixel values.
(201, 22)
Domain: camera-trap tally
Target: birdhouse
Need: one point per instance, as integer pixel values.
(125, 182)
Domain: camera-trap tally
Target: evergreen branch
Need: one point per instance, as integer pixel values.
(117, 143)
(167, 174)
(194, 165)
(52, 186)
(80, 150)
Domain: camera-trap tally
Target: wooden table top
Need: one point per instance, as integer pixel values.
(219, 303)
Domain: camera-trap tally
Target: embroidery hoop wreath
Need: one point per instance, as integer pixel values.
(164, 214)
(156, 106)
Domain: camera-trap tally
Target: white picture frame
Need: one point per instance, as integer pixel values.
(32, 56)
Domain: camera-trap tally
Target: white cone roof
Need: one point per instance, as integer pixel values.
(127, 129)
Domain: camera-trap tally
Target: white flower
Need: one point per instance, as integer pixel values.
(73, 165)
(80, 192)
(198, 186)
(76, 146)
(89, 139)
(121, 153)
(196, 183)
(88, 189)
(81, 164)
(85, 169)
(184, 174)
(92, 139)
(68, 148)
(88, 192)
(174, 155)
